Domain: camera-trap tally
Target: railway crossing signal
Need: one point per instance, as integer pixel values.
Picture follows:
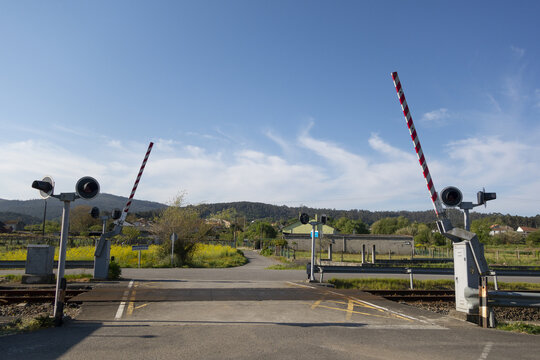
(464, 241)
(45, 186)
(451, 196)
(483, 196)
(94, 212)
(304, 218)
(87, 188)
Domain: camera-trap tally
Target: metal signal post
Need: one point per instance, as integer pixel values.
(86, 188)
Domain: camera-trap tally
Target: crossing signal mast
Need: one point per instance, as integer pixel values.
(466, 244)
(86, 188)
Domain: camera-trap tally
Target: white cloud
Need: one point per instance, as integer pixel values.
(338, 178)
(378, 144)
(283, 144)
(436, 117)
(115, 144)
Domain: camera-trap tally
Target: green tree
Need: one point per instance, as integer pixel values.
(347, 226)
(130, 233)
(186, 223)
(533, 239)
(80, 220)
(50, 227)
(236, 223)
(389, 225)
(426, 236)
(260, 229)
(411, 230)
(481, 228)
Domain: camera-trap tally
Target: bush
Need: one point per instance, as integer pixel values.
(533, 239)
(114, 271)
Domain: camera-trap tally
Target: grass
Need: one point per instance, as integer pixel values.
(391, 284)
(10, 278)
(520, 327)
(26, 324)
(217, 256)
(287, 266)
(403, 284)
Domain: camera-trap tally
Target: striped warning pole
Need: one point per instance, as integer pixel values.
(126, 208)
(437, 204)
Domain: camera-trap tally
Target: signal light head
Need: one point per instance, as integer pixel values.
(94, 212)
(483, 196)
(304, 218)
(45, 186)
(451, 196)
(87, 187)
(116, 214)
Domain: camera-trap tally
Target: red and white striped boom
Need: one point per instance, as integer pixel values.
(126, 208)
(437, 204)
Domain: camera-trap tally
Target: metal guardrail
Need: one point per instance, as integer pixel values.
(416, 261)
(505, 298)
(495, 298)
(514, 299)
(70, 264)
(409, 270)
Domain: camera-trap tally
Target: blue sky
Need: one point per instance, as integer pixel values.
(283, 102)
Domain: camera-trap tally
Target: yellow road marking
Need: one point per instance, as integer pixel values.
(140, 306)
(337, 302)
(360, 303)
(131, 301)
(350, 309)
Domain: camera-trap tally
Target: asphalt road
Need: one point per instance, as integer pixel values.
(253, 313)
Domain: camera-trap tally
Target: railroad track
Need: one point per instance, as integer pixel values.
(13, 296)
(415, 295)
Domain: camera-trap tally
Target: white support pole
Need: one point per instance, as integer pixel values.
(60, 283)
(311, 275)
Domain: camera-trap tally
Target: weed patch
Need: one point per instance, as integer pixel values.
(520, 327)
(403, 284)
(27, 324)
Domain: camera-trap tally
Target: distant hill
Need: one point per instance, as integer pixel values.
(27, 219)
(31, 211)
(253, 211)
(10, 209)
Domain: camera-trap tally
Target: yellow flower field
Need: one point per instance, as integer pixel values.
(204, 256)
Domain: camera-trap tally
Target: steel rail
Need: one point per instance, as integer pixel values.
(70, 264)
(11, 296)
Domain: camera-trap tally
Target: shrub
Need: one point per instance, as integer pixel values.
(114, 271)
(533, 239)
